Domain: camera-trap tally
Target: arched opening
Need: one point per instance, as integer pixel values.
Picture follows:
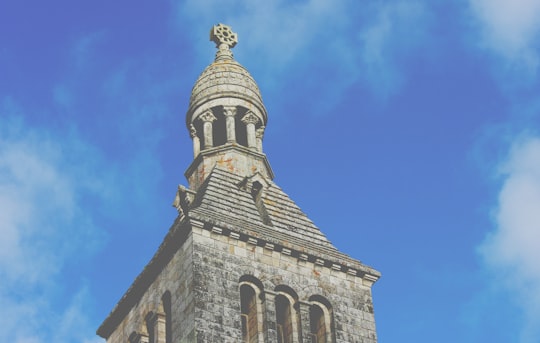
(219, 129)
(284, 324)
(317, 324)
(287, 314)
(321, 320)
(249, 316)
(240, 127)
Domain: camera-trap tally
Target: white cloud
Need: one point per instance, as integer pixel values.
(344, 40)
(43, 226)
(512, 250)
(511, 28)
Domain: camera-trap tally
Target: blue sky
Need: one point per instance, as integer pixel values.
(407, 130)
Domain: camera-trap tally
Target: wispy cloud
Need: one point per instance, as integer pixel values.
(43, 226)
(511, 250)
(393, 29)
(510, 29)
(340, 40)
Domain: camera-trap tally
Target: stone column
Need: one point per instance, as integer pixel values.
(196, 141)
(305, 321)
(230, 113)
(207, 118)
(250, 119)
(259, 135)
(270, 316)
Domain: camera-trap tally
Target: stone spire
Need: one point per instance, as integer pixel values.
(226, 117)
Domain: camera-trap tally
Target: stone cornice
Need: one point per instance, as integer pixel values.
(324, 257)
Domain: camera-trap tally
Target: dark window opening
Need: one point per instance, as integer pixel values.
(240, 127)
(219, 129)
(317, 324)
(248, 303)
(168, 318)
(284, 319)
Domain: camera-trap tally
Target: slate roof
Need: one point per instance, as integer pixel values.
(223, 199)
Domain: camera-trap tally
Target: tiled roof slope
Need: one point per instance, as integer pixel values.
(223, 199)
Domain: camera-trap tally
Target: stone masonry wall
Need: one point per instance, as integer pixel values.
(218, 263)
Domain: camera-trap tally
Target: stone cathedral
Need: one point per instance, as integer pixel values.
(242, 262)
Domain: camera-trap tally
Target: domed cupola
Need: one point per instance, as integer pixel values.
(226, 114)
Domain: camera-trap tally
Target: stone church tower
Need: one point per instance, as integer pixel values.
(241, 263)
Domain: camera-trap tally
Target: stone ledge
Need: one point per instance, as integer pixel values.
(367, 277)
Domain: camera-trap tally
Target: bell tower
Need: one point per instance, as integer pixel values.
(226, 117)
(242, 262)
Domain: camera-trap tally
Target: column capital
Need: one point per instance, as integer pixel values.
(207, 117)
(192, 131)
(250, 118)
(229, 111)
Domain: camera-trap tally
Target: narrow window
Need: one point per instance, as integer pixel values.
(219, 129)
(166, 299)
(321, 320)
(317, 324)
(248, 303)
(241, 134)
(150, 327)
(284, 320)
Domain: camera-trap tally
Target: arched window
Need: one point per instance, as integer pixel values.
(248, 301)
(317, 324)
(284, 319)
(321, 320)
(287, 316)
(251, 309)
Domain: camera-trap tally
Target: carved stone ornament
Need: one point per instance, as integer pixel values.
(192, 131)
(229, 111)
(260, 132)
(225, 39)
(207, 116)
(222, 34)
(250, 118)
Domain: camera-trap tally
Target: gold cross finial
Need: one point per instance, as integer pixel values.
(225, 39)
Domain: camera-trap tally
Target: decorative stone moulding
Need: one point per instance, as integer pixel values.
(323, 262)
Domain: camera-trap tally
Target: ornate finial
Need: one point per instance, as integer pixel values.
(225, 39)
